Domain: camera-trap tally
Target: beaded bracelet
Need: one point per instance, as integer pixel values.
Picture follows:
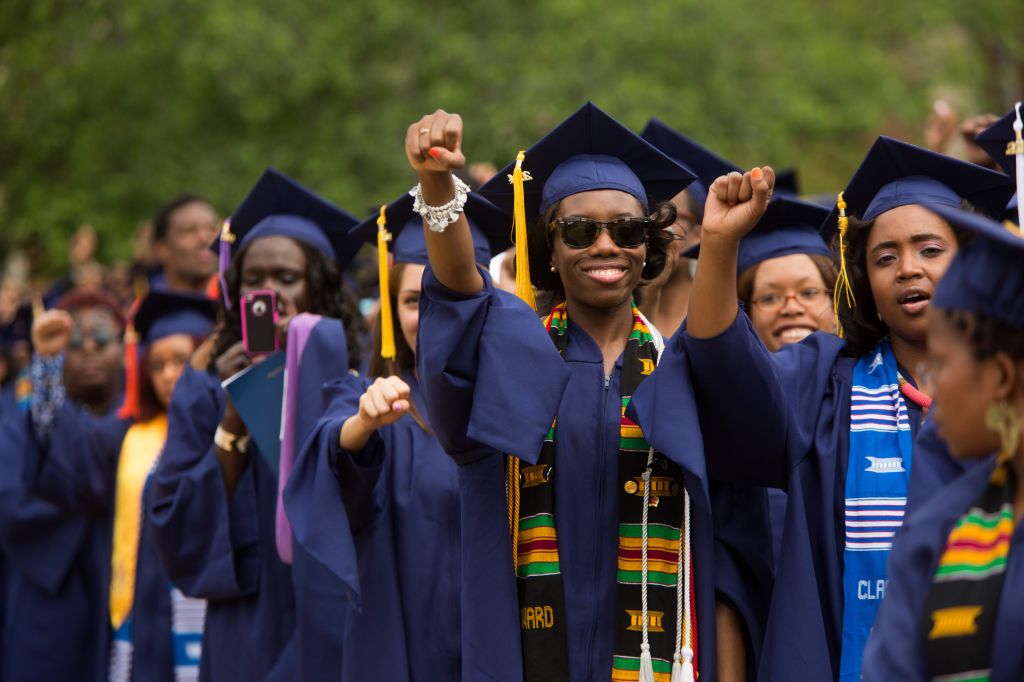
(440, 217)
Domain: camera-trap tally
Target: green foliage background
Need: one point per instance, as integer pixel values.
(110, 107)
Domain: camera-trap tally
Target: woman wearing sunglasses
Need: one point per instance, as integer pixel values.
(55, 557)
(830, 421)
(585, 554)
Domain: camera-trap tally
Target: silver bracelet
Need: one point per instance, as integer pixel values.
(440, 217)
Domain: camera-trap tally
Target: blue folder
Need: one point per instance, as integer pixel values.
(258, 393)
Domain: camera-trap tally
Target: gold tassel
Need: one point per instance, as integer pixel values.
(387, 327)
(512, 497)
(524, 289)
(843, 279)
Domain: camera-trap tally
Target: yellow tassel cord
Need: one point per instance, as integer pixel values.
(843, 279)
(512, 496)
(387, 327)
(524, 289)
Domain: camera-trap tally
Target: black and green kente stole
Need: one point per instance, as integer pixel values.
(541, 591)
(962, 604)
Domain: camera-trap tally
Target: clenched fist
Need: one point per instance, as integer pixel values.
(736, 202)
(434, 144)
(384, 402)
(51, 332)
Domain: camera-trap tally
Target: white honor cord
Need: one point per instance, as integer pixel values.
(646, 664)
(1019, 161)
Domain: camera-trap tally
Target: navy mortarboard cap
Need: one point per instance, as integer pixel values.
(590, 150)
(1004, 143)
(997, 141)
(278, 206)
(788, 226)
(987, 274)
(489, 226)
(696, 158)
(165, 313)
(787, 181)
(896, 173)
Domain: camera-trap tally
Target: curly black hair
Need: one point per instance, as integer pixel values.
(987, 335)
(328, 297)
(862, 328)
(539, 247)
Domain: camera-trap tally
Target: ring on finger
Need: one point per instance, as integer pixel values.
(424, 131)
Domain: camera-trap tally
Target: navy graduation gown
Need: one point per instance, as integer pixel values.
(78, 472)
(492, 382)
(258, 625)
(398, 500)
(934, 468)
(895, 650)
(779, 420)
(58, 561)
(217, 548)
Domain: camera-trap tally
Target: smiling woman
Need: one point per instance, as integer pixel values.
(602, 264)
(611, 577)
(789, 297)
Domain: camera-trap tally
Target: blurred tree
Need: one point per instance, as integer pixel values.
(109, 107)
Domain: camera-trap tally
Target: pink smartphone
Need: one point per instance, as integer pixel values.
(259, 322)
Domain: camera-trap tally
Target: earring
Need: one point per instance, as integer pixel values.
(1001, 418)
(645, 264)
(554, 269)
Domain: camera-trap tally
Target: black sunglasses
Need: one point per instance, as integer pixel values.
(580, 233)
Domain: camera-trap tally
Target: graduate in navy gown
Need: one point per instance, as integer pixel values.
(936, 467)
(785, 280)
(213, 504)
(562, 592)
(57, 569)
(828, 420)
(388, 481)
(952, 609)
(156, 631)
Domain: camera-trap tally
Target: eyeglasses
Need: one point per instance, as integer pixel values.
(580, 233)
(807, 297)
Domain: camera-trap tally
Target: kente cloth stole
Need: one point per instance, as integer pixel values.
(877, 477)
(962, 605)
(668, 593)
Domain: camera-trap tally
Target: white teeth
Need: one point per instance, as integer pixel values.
(795, 334)
(606, 272)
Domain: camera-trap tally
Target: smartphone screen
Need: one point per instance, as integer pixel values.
(259, 322)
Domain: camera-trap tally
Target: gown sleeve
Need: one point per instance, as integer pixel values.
(39, 539)
(76, 466)
(491, 378)
(758, 410)
(208, 544)
(333, 484)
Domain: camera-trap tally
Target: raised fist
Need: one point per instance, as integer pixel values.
(434, 144)
(51, 332)
(736, 202)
